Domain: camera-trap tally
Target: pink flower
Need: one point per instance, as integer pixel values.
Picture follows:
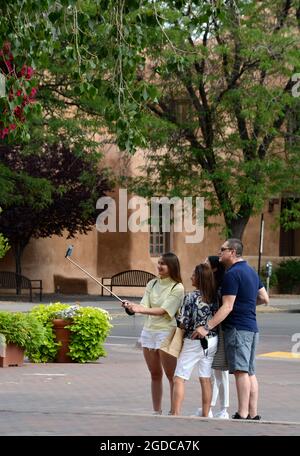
(12, 126)
(33, 92)
(23, 70)
(29, 72)
(18, 112)
(25, 100)
(19, 92)
(26, 71)
(4, 133)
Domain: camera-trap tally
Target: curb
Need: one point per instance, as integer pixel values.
(270, 309)
(284, 296)
(149, 415)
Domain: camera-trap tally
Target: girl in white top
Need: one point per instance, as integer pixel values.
(160, 303)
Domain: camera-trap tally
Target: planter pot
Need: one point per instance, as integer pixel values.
(62, 334)
(13, 356)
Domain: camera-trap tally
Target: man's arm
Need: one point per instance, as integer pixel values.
(262, 297)
(220, 315)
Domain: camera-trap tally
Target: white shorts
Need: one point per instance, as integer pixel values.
(193, 353)
(153, 339)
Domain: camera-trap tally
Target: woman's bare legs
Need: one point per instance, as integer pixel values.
(178, 395)
(153, 362)
(169, 365)
(206, 394)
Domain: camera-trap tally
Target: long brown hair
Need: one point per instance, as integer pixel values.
(171, 260)
(205, 282)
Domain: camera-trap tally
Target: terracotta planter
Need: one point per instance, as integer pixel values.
(14, 356)
(62, 334)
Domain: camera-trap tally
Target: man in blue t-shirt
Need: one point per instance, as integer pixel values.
(242, 290)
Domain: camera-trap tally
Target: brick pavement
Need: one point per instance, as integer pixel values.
(112, 398)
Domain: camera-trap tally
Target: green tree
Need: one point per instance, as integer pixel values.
(49, 165)
(209, 82)
(4, 246)
(55, 192)
(85, 54)
(222, 74)
(290, 213)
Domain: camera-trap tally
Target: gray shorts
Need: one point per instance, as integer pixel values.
(240, 347)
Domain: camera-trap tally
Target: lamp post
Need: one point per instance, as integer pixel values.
(261, 242)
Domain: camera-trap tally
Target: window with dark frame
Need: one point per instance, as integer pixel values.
(160, 242)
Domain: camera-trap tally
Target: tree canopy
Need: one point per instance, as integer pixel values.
(55, 193)
(222, 74)
(204, 86)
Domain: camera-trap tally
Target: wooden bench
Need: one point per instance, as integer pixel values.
(10, 280)
(131, 278)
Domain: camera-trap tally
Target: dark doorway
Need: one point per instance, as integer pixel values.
(290, 239)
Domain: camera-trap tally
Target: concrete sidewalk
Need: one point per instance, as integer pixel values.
(111, 397)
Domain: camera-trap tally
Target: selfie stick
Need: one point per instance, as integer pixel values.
(69, 253)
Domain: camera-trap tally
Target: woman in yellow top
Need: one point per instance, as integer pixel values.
(161, 301)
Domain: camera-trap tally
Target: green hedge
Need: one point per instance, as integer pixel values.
(288, 276)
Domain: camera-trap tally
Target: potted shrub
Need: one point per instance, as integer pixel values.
(21, 333)
(2, 346)
(61, 328)
(87, 329)
(45, 315)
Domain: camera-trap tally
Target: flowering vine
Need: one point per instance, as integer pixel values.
(20, 92)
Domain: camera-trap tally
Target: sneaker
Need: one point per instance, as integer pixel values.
(222, 414)
(157, 413)
(199, 413)
(237, 416)
(255, 418)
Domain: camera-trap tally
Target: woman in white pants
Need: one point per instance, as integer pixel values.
(220, 374)
(198, 307)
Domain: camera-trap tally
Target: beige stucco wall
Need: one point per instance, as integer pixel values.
(105, 254)
(108, 253)
(121, 251)
(44, 258)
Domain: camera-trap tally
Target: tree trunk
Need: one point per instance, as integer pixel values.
(18, 249)
(237, 227)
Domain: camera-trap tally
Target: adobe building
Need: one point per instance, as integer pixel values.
(105, 254)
